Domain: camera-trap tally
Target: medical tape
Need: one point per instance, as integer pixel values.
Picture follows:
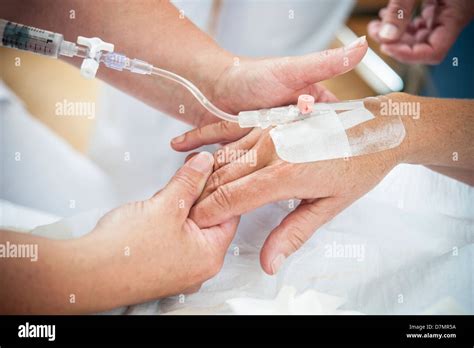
(339, 106)
(331, 135)
(354, 117)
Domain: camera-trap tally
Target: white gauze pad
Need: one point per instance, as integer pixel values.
(334, 135)
(313, 139)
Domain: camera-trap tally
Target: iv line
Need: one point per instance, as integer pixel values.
(95, 51)
(201, 98)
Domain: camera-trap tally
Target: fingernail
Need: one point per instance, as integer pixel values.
(202, 162)
(179, 139)
(357, 43)
(277, 262)
(388, 31)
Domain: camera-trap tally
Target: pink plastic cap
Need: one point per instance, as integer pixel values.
(305, 103)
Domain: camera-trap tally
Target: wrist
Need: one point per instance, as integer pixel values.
(206, 71)
(208, 68)
(410, 149)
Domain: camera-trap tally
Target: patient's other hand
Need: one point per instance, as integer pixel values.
(154, 249)
(423, 39)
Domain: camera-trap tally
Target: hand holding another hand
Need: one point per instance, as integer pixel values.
(243, 184)
(151, 249)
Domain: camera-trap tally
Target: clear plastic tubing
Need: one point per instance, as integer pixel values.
(196, 93)
(119, 61)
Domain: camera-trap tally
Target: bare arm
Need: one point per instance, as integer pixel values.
(441, 138)
(50, 282)
(138, 252)
(151, 30)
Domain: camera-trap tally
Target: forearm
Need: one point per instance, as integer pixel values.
(34, 284)
(150, 30)
(441, 137)
(72, 276)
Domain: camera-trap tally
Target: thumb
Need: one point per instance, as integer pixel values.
(187, 184)
(395, 19)
(295, 229)
(301, 71)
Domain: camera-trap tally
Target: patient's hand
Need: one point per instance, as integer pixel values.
(260, 177)
(153, 249)
(325, 187)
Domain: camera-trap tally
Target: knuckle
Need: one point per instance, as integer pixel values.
(214, 181)
(198, 133)
(219, 158)
(297, 237)
(226, 128)
(222, 197)
(315, 214)
(186, 181)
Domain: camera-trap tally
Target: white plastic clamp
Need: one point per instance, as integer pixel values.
(91, 63)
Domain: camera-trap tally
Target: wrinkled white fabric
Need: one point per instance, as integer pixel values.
(287, 302)
(413, 263)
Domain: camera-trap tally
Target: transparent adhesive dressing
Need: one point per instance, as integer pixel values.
(347, 129)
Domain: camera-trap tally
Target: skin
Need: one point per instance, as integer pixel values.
(137, 252)
(327, 187)
(169, 253)
(162, 38)
(426, 38)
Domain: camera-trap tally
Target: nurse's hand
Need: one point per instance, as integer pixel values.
(152, 249)
(249, 84)
(138, 252)
(426, 38)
